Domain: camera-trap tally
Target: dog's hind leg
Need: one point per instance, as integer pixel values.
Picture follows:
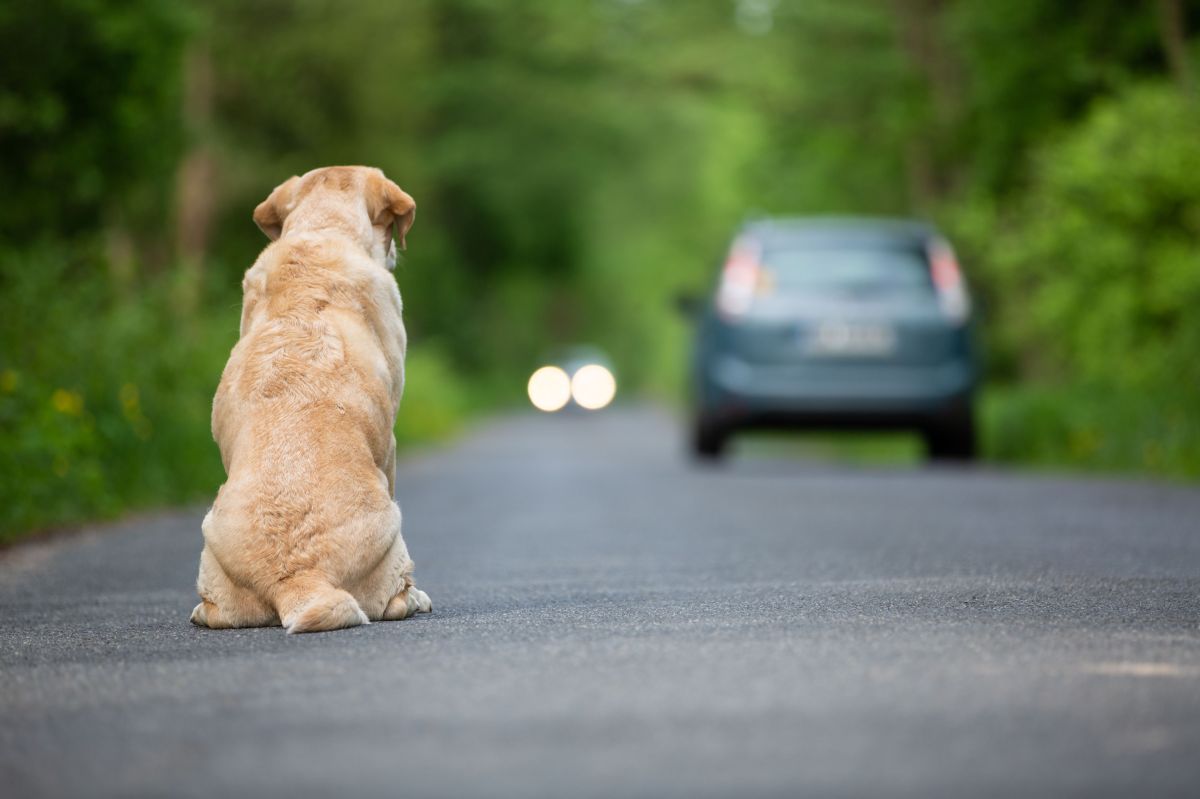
(388, 592)
(226, 604)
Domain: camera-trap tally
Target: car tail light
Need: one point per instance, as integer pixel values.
(948, 282)
(740, 279)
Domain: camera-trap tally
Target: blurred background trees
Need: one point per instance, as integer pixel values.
(576, 164)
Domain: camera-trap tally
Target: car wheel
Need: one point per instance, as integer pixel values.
(952, 437)
(709, 440)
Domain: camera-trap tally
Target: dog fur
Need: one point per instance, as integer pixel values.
(305, 531)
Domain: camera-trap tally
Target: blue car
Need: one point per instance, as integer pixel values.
(837, 323)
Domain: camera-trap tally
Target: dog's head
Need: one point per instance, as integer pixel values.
(358, 199)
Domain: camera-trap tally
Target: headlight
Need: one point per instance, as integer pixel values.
(593, 387)
(549, 389)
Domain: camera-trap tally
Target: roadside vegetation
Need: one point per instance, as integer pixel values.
(576, 165)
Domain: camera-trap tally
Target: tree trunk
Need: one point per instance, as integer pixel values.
(195, 182)
(929, 155)
(1172, 32)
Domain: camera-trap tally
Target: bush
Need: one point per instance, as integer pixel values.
(104, 399)
(436, 399)
(1100, 265)
(1097, 430)
(1091, 281)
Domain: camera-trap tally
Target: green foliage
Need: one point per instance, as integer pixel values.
(89, 106)
(436, 400)
(104, 399)
(1012, 96)
(1093, 428)
(1098, 265)
(1093, 278)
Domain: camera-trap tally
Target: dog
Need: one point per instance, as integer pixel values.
(305, 531)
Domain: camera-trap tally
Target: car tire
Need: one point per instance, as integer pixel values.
(709, 440)
(952, 437)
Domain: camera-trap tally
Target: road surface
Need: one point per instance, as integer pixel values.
(611, 621)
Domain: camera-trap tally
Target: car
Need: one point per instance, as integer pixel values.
(847, 323)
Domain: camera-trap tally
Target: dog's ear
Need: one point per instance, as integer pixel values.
(389, 204)
(271, 212)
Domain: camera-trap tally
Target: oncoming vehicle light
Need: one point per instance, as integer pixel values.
(593, 387)
(549, 389)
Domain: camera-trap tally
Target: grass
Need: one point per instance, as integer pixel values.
(1093, 429)
(875, 448)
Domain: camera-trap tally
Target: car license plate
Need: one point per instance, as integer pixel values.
(849, 338)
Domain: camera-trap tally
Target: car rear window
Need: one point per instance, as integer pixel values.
(844, 270)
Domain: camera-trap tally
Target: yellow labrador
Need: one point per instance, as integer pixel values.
(305, 531)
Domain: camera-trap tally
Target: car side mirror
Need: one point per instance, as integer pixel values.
(688, 304)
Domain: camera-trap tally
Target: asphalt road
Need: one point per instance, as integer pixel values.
(611, 621)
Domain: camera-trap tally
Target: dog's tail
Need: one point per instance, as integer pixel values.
(309, 604)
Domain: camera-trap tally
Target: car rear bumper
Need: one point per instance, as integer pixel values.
(841, 395)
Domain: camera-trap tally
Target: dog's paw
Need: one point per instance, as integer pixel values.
(407, 603)
(200, 616)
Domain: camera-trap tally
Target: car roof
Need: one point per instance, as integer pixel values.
(839, 230)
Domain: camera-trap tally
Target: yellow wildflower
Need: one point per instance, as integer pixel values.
(130, 400)
(67, 402)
